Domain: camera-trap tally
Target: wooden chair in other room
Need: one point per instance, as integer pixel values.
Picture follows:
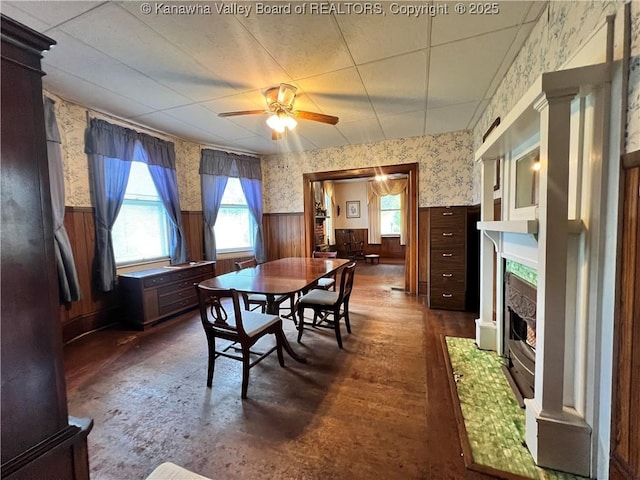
(328, 282)
(239, 326)
(253, 301)
(329, 307)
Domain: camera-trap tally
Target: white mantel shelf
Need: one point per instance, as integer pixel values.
(512, 226)
(527, 227)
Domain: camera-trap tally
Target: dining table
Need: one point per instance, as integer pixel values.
(285, 276)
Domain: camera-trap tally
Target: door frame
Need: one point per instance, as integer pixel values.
(409, 169)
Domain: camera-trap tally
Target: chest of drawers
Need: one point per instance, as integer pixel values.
(149, 296)
(447, 257)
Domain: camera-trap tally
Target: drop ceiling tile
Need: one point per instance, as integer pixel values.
(453, 27)
(81, 60)
(320, 135)
(220, 44)
(48, 14)
(374, 37)
(397, 84)
(206, 120)
(365, 131)
(166, 123)
(13, 10)
(303, 45)
(79, 91)
(523, 33)
(469, 76)
(403, 125)
(450, 119)
(477, 114)
(537, 9)
(339, 93)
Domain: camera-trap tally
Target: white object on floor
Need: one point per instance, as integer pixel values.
(171, 471)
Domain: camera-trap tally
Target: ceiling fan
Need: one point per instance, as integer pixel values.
(282, 116)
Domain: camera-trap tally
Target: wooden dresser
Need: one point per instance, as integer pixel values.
(150, 296)
(447, 257)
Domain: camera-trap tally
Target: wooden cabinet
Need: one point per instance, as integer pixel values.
(149, 296)
(448, 257)
(39, 439)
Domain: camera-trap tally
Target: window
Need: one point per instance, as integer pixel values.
(390, 215)
(141, 231)
(235, 228)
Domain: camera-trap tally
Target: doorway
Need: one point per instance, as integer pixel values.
(411, 172)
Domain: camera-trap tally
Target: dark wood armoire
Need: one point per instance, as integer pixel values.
(39, 439)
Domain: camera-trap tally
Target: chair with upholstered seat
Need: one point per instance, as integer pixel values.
(329, 307)
(328, 282)
(253, 301)
(239, 326)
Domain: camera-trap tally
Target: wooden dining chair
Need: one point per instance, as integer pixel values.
(329, 307)
(238, 326)
(253, 301)
(328, 282)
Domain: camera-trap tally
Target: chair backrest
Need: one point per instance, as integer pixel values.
(213, 314)
(324, 254)
(252, 262)
(346, 282)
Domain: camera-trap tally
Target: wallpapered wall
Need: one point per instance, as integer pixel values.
(445, 168)
(554, 40)
(448, 174)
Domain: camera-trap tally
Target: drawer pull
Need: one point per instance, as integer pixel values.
(447, 254)
(447, 275)
(447, 295)
(447, 234)
(447, 214)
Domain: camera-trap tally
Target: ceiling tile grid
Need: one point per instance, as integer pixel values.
(386, 76)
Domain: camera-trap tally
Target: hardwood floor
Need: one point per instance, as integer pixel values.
(380, 408)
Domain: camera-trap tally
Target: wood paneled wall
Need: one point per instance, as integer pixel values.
(284, 237)
(625, 445)
(389, 248)
(95, 309)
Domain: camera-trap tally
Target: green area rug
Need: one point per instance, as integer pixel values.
(491, 423)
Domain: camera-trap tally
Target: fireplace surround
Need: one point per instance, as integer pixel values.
(520, 335)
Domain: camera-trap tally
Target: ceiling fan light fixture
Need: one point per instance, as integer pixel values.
(281, 121)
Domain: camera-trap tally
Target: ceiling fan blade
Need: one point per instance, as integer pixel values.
(275, 135)
(316, 117)
(242, 112)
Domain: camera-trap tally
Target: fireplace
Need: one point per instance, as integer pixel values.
(520, 335)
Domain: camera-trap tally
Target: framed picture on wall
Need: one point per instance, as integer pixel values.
(353, 209)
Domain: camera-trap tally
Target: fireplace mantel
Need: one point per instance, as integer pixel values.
(548, 235)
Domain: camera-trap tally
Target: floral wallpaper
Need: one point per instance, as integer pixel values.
(445, 168)
(555, 38)
(72, 122)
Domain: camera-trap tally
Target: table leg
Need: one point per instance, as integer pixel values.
(272, 308)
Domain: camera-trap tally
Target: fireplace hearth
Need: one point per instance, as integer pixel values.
(520, 333)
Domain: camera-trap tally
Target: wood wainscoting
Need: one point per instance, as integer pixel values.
(283, 236)
(95, 309)
(625, 423)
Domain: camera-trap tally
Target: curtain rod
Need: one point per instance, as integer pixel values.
(124, 122)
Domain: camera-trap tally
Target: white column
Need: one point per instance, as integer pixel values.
(556, 438)
(485, 325)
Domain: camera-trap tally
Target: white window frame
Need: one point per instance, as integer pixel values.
(252, 223)
(145, 200)
(399, 210)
